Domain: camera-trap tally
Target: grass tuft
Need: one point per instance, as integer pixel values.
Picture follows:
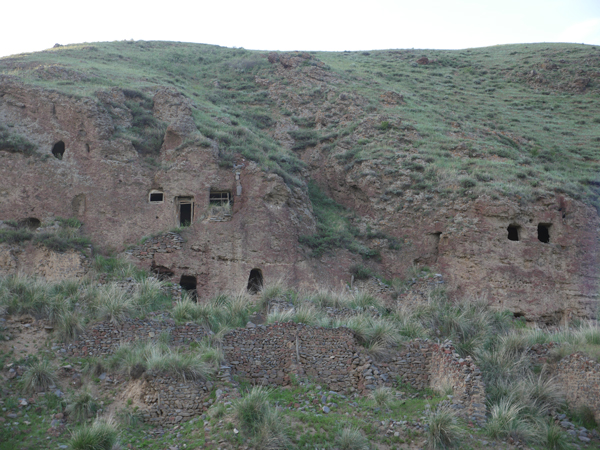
(39, 376)
(101, 435)
(443, 430)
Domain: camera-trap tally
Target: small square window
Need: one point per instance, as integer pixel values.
(156, 197)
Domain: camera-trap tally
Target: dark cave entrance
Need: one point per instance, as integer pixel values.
(188, 284)
(255, 281)
(58, 150)
(544, 233)
(31, 222)
(513, 232)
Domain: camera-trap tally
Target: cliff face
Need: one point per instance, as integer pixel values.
(537, 257)
(103, 182)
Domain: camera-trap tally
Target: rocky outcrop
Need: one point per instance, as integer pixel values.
(38, 261)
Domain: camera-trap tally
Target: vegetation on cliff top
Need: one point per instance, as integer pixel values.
(517, 120)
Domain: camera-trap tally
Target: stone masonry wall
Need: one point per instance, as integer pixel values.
(449, 370)
(410, 363)
(579, 378)
(103, 338)
(169, 400)
(273, 354)
(163, 243)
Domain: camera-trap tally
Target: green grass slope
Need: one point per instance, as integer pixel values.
(517, 120)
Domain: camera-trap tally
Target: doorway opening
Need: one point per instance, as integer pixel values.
(544, 233)
(513, 232)
(188, 284)
(255, 281)
(185, 211)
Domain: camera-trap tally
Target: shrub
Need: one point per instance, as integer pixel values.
(61, 241)
(15, 236)
(101, 435)
(83, 406)
(553, 437)
(272, 291)
(149, 295)
(69, 326)
(442, 429)
(506, 419)
(382, 396)
(251, 409)
(39, 376)
(261, 422)
(113, 304)
(351, 438)
(274, 432)
(362, 300)
(183, 365)
(360, 272)
(15, 143)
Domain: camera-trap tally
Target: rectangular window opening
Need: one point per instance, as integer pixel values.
(156, 197)
(220, 204)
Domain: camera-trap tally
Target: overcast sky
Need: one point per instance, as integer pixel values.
(305, 25)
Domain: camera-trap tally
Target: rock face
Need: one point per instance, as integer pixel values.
(103, 181)
(37, 260)
(245, 222)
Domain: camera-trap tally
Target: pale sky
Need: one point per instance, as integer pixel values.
(35, 25)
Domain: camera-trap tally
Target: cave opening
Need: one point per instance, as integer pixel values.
(188, 284)
(544, 233)
(58, 150)
(255, 281)
(513, 232)
(31, 222)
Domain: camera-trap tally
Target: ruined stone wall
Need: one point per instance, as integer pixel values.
(169, 401)
(274, 354)
(103, 338)
(449, 371)
(579, 378)
(410, 363)
(163, 243)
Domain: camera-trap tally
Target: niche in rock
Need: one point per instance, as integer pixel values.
(162, 273)
(188, 284)
(255, 281)
(544, 233)
(31, 222)
(58, 150)
(513, 232)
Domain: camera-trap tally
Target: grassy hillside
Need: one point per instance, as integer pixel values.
(79, 410)
(518, 120)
